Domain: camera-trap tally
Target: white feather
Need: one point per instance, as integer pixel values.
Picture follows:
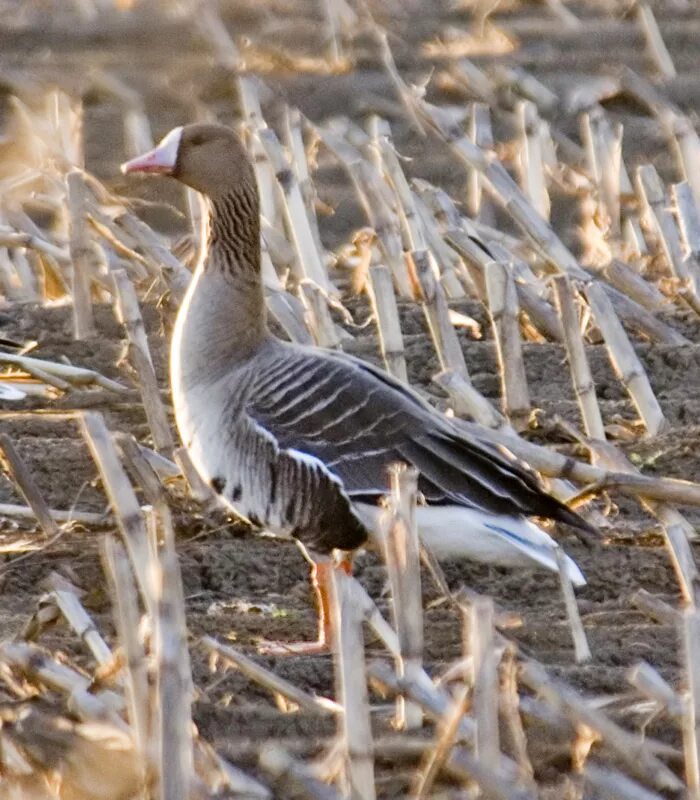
(312, 461)
(454, 531)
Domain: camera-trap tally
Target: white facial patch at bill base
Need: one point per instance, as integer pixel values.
(161, 159)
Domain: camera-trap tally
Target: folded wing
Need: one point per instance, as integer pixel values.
(357, 421)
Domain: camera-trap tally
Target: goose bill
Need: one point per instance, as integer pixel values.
(161, 159)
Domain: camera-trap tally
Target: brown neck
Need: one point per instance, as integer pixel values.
(233, 259)
(222, 319)
(234, 229)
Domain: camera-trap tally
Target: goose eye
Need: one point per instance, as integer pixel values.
(196, 140)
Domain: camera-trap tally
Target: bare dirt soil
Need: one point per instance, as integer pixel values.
(241, 587)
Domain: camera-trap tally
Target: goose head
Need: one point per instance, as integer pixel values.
(207, 157)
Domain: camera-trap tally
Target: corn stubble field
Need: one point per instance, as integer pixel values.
(497, 201)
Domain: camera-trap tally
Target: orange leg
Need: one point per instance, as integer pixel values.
(321, 572)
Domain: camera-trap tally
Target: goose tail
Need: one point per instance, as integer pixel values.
(452, 531)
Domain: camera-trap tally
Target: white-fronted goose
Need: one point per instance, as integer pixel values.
(298, 439)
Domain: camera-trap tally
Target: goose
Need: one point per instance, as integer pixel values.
(298, 439)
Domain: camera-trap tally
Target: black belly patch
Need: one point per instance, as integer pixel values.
(289, 512)
(236, 493)
(218, 484)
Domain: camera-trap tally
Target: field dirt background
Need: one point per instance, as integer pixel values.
(242, 587)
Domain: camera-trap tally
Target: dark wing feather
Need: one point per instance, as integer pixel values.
(358, 420)
(285, 490)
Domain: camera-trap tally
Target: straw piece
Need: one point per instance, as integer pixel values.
(372, 616)
(402, 555)
(540, 312)
(319, 320)
(690, 628)
(206, 16)
(498, 785)
(308, 257)
(269, 680)
(474, 253)
(655, 607)
(510, 709)
(240, 783)
(503, 310)
(122, 499)
(141, 470)
(582, 378)
(532, 175)
(655, 42)
(648, 681)
(249, 96)
(383, 300)
(688, 147)
(129, 314)
(297, 154)
(77, 375)
(37, 666)
(377, 202)
(631, 750)
(81, 257)
(175, 274)
(126, 619)
(631, 283)
(482, 136)
(556, 465)
(678, 533)
(25, 273)
(502, 250)
(652, 194)
(613, 785)
(443, 747)
(436, 311)
(604, 151)
(480, 634)
(639, 319)
(404, 92)
(349, 665)
(87, 759)
(46, 377)
(582, 652)
(677, 530)
(435, 702)
(10, 238)
(522, 83)
(294, 776)
(454, 276)
(634, 238)
(30, 491)
(477, 82)
(414, 236)
(164, 467)
(8, 282)
(115, 237)
(625, 361)
(504, 189)
(334, 46)
(174, 678)
(467, 401)
(688, 217)
(201, 491)
(58, 515)
(288, 311)
(80, 621)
